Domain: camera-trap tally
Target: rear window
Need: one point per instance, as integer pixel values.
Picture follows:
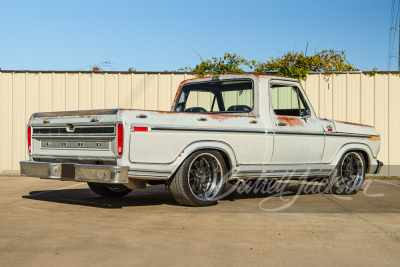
(227, 96)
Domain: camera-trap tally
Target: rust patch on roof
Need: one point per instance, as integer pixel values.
(290, 121)
(355, 124)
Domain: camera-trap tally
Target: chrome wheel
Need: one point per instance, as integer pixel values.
(199, 180)
(205, 176)
(352, 171)
(348, 176)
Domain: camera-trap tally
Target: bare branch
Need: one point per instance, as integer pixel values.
(198, 54)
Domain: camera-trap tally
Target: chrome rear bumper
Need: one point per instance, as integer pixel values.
(80, 173)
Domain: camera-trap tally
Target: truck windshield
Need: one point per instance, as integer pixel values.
(227, 96)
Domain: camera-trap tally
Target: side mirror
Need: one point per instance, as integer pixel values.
(306, 113)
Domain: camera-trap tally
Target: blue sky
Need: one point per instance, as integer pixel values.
(161, 35)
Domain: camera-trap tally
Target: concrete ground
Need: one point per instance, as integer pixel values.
(52, 223)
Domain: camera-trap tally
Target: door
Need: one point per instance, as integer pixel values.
(298, 133)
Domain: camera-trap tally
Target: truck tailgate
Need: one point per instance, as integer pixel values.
(74, 134)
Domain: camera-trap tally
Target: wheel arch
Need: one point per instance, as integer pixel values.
(363, 149)
(223, 148)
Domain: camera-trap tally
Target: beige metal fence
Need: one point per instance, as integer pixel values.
(353, 97)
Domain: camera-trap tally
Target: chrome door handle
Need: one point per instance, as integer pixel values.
(281, 124)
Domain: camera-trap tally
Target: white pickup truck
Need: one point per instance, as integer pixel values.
(220, 129)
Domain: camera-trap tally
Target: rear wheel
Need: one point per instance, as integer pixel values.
(349, 175)
(200, 179)
(106, 190)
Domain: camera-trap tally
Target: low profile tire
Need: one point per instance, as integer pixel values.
(349, 175)
(199, 180)
(109, 191)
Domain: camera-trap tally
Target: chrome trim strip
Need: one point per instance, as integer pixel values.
(147, 170)
(350, 135)
(326, 133)
(208, 130)
(75, 148)
(276, 171)
(251, 171)
(253, 164)
(291, 164)
(100, 166)
(73, 135)
(73, 157)
(147, 177)
(110, 123)
(111, 137)
(298, 133)
(38, 162)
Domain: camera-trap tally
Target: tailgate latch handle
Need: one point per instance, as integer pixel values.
(141, 116)
(70, 128)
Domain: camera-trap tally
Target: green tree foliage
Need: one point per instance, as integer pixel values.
(227, 63)
(291, 64)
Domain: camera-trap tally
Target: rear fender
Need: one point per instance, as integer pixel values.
(222, 147)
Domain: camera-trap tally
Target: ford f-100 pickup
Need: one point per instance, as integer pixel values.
(220, 129)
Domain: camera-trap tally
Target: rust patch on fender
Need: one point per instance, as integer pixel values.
(355, 124)
(290, 121)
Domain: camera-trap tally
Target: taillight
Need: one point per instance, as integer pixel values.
(29, 136)
(120, 139)
(141, 129)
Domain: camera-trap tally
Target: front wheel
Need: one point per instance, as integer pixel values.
(106, 190)
(200, 179)
(349, 175)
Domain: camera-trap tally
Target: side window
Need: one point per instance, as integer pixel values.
(288, 101)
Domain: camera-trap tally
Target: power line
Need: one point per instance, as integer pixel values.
(393, 33)
(389, 62)
(397, 29)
